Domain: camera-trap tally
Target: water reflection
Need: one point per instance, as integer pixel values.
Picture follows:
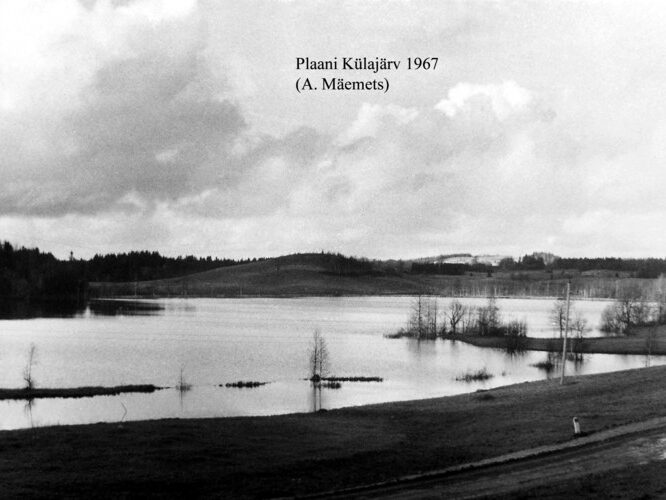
(20, 309)
(316, 396)
(27, 410)
(124, 308)
(515, 353)
(552, 364)
(420, 348)
(318, 390)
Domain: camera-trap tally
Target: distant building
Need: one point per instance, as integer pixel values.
(490, 260)
(469, 259)
(458, 259)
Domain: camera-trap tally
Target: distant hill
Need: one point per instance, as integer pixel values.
(291, 275)
(319, 274)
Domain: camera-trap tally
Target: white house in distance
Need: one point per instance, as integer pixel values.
(490, 260)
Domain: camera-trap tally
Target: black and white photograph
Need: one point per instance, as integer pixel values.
(310, 249)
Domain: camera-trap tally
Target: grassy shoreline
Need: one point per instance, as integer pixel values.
(638, 343)
(593, 345)
(131, 297)
(305, 453)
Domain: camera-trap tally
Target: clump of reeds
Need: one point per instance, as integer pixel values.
(398, 335)
(183, 385)
(353, 379)
(478, 375)
(242, 384)
(547, 365)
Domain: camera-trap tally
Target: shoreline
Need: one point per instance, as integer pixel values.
(342, 296)
(590, 345)
(297, 454)
(637, 344)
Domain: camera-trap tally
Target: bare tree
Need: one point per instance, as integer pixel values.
(488, 318)
(416, 323)
(630, 309)
(455, 314)
(431, 318)
(660, 298)
(468, 320)
(579, 329)
(650, 337)
(430, 323)
(609, 320)
(578, 326)
(27, 371)
(423, 322)
(558, 315)
(319, 357)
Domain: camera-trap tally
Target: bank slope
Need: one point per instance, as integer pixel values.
(292, 275)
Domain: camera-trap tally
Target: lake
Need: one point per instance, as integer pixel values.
(216, 341)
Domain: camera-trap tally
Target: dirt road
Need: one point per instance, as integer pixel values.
(627, 446)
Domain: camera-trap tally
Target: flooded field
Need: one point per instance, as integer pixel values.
(218, 341)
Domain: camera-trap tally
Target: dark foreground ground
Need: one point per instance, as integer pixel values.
(306, 453)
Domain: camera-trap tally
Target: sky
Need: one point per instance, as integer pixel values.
(176, 126)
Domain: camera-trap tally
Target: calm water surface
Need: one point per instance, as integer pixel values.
(224, 340)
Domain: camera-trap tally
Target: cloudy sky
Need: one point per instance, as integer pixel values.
(176, 126)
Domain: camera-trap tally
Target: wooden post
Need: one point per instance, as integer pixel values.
(576, 426)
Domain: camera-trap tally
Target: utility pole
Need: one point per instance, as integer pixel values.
(566, 332)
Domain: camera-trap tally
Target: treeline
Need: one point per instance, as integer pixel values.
(449, 269)
(640, 268)
(525, 263)
(342, 265)
(637, 268)
(28, 273)
(147, 266)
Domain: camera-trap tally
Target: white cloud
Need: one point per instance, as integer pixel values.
(371, 117)
(504, 100)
